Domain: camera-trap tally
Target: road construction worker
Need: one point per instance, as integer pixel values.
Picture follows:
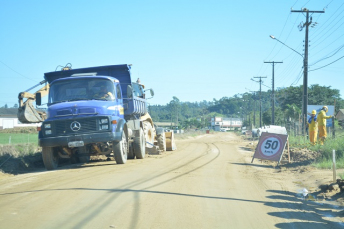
(104, 94)
(322, 124)
(313, 127)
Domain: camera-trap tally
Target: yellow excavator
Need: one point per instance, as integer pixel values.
(27, 113)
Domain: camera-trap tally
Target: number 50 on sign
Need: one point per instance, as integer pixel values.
(270, 147)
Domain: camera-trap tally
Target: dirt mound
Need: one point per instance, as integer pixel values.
(20, 158)
(303, 155)
(20, 165)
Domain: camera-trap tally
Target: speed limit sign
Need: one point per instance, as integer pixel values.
(270, 146)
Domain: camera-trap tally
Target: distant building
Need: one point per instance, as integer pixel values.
(340, 117)
(11, 121)
(219, 123)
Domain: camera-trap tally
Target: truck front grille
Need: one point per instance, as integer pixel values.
(63, 127)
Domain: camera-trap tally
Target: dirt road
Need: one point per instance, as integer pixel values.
(207, 183)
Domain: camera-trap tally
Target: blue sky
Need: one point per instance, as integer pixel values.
(194, 50)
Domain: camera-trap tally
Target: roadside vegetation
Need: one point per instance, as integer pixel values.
(18, 138)
(188, 115)
(19, 150)
(324, 161)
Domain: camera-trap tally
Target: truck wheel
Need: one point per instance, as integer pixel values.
(120, 150)
(131, 154)
(139, 145)
(84, 156)
(162, 141)
(149, 134)
(50, 158)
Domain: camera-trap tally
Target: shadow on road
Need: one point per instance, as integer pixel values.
(294, 209)
(289, 206)
(255, 165)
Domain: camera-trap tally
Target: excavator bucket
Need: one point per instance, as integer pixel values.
(28, 114)
(170, 144)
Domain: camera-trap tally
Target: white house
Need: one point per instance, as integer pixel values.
(218, 123)
(11, 121)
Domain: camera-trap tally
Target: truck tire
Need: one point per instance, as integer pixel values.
(84, 156)
(131, 154)
(139, 145)
(120, 150)
(162, 141)
(50, 158)
(149, 134)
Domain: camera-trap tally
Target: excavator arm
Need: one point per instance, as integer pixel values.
(27, 113)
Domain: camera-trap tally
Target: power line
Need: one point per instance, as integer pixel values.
(16, 71)
(329, 44)
(336, 51)
(298, 77)
(318, 32)
(328, 35)
(326, 64)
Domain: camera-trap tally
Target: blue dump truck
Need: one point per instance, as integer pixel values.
(93, 111)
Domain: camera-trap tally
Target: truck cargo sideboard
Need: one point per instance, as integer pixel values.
(135, 106)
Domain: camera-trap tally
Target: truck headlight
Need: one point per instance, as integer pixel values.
(104, 127)
(104, 120)
(47, 126)
(47, 132)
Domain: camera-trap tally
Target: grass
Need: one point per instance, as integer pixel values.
(18, 150)
(18, 138)
(341, 175)
(326, 150)
(327, 164)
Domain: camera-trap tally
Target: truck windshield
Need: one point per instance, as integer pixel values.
(81, 89)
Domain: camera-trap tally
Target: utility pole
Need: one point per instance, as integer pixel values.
(305, 63)
(254, 109)
(273, 89)
(260, 98)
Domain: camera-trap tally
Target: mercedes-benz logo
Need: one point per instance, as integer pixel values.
(75, 126)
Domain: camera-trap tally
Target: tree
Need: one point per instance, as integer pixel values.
(174, 107)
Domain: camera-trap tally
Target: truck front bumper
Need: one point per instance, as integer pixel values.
(85, 138)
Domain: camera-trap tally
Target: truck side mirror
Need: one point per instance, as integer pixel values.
(38, 98)
(151, 93)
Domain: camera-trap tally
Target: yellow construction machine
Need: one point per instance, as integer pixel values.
(27, 113)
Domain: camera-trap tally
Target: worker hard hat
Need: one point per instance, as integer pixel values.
(325, 108)
(314, 112)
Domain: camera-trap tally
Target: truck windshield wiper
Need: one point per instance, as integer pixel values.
(100, 99)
